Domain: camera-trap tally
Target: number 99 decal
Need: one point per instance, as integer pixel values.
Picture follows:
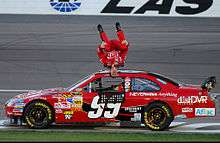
(99, 109)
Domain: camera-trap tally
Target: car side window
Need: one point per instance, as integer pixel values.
(143, 85)
(105, 84)
(93, 86)
(113, 84)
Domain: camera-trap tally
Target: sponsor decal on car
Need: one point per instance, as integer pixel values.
(67, 95)
(127, 84)
(204, 111)
(75, 101)
(19, 105)
(153, 94)
(143, 94)
(192, 99)
(17, 114)
(68, 115)
(133, 109)
(187, 110)
(57, 110)
(168, 94)
(69, 100)
(18, 109)
(137, 117)
(76, 109)
(69, 112)
(62, 105)
(19, 100)
(77, 93)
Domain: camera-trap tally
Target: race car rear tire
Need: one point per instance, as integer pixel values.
(157, 116)
(38, 115)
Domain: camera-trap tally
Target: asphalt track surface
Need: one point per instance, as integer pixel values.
(39, 52)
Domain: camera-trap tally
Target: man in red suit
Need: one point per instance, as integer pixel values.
(112, 53)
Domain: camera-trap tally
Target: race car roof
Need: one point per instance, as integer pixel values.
(123, 71)
(157, 75)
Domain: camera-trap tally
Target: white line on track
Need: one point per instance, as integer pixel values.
(196, 128)
(173, 124)
(201, 125)
(2, 122)
(9, 90)
(190, 128)
(197, 131)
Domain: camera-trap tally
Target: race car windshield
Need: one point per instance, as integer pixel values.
(77, 84)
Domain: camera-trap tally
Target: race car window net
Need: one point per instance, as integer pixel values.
(143, 85)
(167, 79)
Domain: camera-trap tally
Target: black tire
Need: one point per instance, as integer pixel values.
(157, 116)
(38, 115)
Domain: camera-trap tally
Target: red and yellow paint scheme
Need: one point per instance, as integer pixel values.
(132, 95)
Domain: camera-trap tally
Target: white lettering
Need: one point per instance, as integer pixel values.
(99, 109)
(153, 94)
(142, 94)
(61, 105)
(187, 110)
(192, 99)
(137, 117)
(115, 107)
(205, 111)
(132, 109)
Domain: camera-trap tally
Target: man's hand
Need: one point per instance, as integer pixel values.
(103, 44)
(114, 71)
(124, 42)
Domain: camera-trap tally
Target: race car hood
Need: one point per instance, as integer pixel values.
(43, 92)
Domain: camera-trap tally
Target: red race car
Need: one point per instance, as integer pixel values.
(133, 95)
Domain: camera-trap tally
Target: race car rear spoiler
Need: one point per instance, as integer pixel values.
(209, 83)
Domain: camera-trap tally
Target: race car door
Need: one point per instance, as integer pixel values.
(107, 95)
(139, 91)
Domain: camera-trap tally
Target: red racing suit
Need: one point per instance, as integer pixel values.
(113, 52)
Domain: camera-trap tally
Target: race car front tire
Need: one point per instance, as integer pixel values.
(157, 116)
(38, 115)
